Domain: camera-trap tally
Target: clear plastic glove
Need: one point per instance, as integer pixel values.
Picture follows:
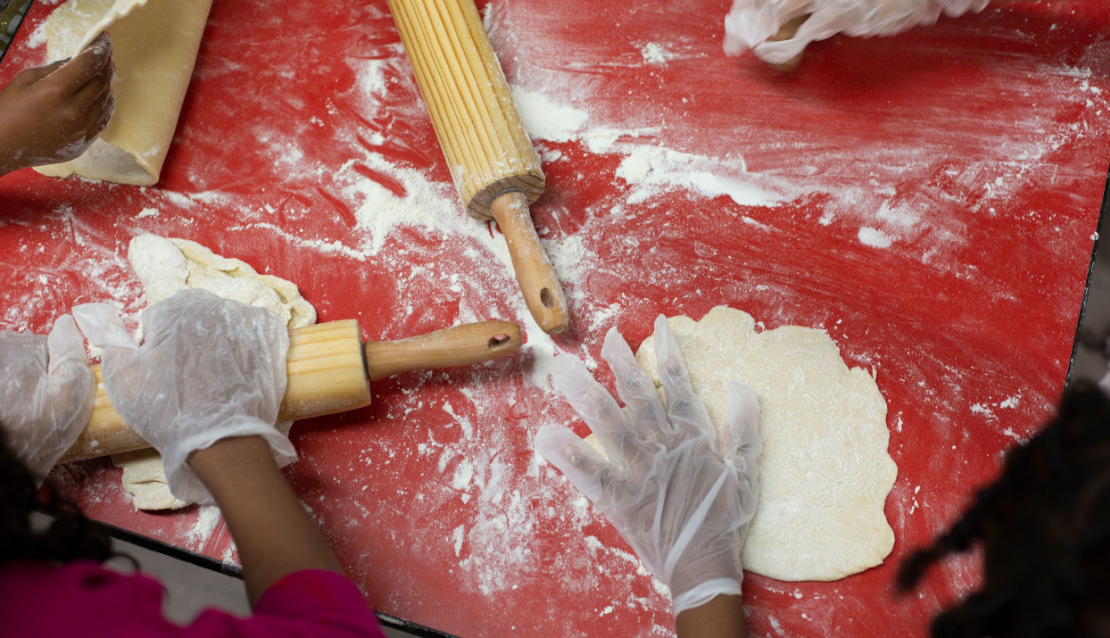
(46, 393)
(681, 498)
(753, 24)
(210, 368)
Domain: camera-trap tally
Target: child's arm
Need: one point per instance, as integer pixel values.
(272, 531)
(205, 389)
(721, 617)
(53, 113)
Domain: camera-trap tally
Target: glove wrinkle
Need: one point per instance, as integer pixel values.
(682, 499)
(209, 369)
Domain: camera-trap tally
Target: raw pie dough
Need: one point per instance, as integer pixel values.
(154, 46)
(165, 266)
(825, 472)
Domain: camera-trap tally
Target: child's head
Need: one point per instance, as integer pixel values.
(69, 537)
(1045, 530)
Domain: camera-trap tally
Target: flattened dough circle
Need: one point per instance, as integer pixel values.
(825, 471)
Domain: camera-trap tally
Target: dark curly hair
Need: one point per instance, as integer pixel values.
(1044, 526)
(69, 537)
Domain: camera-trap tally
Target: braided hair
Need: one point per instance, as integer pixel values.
(1045, 530)
(69, 537)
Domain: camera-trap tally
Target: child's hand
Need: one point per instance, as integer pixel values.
(682, 498)
(209, 369)
(53, 113)
(778, 30)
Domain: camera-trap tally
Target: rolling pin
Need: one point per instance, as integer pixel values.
(329, 371)
(492, 162)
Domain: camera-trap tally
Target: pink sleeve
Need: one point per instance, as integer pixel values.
(312, 603)
(99, 603)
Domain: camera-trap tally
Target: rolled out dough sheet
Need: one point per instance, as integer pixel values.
(166, 265)
(825, 472)
(154, 46)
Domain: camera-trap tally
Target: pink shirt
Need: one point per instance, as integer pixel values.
(84, 599)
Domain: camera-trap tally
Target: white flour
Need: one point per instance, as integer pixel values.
(894, 203)
(207, 518)
(397, 205)
(655, 53)
(874, 238)
(651, 170)
(545, 119)
(37, 38)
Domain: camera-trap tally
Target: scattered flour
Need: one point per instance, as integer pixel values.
(650, 169)
(874, 237)
(655, 53)
(653, 170)
(570, 257)
(500, 538)
(434, 209)
(147, 212)
(37, 38)
(458, 536)
(546, 119)
(604, 316)
(422, 204)
(371, 76)
(463, 474)
(208, 516)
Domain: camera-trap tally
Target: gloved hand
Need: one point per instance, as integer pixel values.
(751, 23)
(46, 394)
(681, 498)
(210, 368)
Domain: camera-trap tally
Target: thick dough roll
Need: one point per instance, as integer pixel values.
(154, 44)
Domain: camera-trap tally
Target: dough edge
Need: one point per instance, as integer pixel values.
(874, 526)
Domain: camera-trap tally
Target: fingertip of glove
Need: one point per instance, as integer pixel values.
(548, 436)
(569, 374)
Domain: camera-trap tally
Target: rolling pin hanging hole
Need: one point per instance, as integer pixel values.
(547, 299)
(499, 341)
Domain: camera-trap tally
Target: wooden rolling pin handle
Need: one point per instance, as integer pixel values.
(458, 346)
(534, 272)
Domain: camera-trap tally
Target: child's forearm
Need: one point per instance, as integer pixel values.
(9, 163)
(721, 617)
(274, 534)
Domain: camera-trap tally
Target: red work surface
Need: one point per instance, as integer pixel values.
(938, 200)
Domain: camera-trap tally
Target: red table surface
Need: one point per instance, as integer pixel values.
(978, 148)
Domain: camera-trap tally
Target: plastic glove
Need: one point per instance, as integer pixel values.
(751, 23)
(210, 368)
(679, 497)
(46, 394)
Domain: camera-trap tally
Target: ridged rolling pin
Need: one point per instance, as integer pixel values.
(495, 168)
(329, 371)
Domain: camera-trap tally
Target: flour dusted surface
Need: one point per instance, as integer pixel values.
(680, 251)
